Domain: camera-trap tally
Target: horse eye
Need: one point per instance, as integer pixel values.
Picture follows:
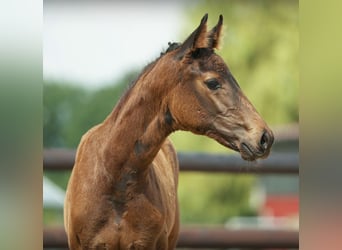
(213, 84)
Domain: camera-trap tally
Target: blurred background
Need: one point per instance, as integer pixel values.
(93, 50)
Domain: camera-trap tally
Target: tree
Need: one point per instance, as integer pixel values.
(70, 111)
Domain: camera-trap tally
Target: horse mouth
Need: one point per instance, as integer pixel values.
(224, 140)
(246, 151)
(249, 153)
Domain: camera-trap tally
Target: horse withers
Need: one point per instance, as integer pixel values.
(122, 193)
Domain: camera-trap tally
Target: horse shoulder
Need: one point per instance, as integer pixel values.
(165, 167)
(81, 187)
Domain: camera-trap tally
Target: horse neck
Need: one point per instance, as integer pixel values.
(138, 126)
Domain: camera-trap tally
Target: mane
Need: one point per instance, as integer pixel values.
(171, 47)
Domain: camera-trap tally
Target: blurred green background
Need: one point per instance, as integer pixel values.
(260, 46)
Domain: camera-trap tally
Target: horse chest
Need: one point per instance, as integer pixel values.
(146, 220)
(154, 199)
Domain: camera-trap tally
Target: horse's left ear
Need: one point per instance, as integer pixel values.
(215, 34)
(197, 39)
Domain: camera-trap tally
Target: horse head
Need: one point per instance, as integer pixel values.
(207, 99)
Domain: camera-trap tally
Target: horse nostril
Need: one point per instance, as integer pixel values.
(265, 140)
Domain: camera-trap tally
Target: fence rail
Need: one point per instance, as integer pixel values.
(206, 238)
(276, 163)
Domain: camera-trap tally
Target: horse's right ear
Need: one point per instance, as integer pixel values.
(197, 39)
(215, 34)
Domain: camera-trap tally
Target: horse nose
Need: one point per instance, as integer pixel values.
(266, 140)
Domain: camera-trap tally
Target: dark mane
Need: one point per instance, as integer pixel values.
(171, 47)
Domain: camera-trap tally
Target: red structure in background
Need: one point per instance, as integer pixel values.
(280, 206)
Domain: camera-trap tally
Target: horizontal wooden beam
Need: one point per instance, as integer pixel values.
(206, 238)
(276, 163)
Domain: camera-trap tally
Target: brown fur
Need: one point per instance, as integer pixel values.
(215, 34)
(122, 193)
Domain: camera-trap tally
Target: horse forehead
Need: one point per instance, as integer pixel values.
(214, 63)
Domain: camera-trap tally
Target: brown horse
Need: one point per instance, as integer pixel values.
(122, 193)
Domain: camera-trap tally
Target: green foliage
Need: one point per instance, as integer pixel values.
(213, 198)
(61, 178)
(53, 217)
(60, 102)
(70, 111)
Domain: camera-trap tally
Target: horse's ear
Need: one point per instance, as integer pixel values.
(215, 34)
(197, 39)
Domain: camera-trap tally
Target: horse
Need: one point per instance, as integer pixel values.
(122, 192)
